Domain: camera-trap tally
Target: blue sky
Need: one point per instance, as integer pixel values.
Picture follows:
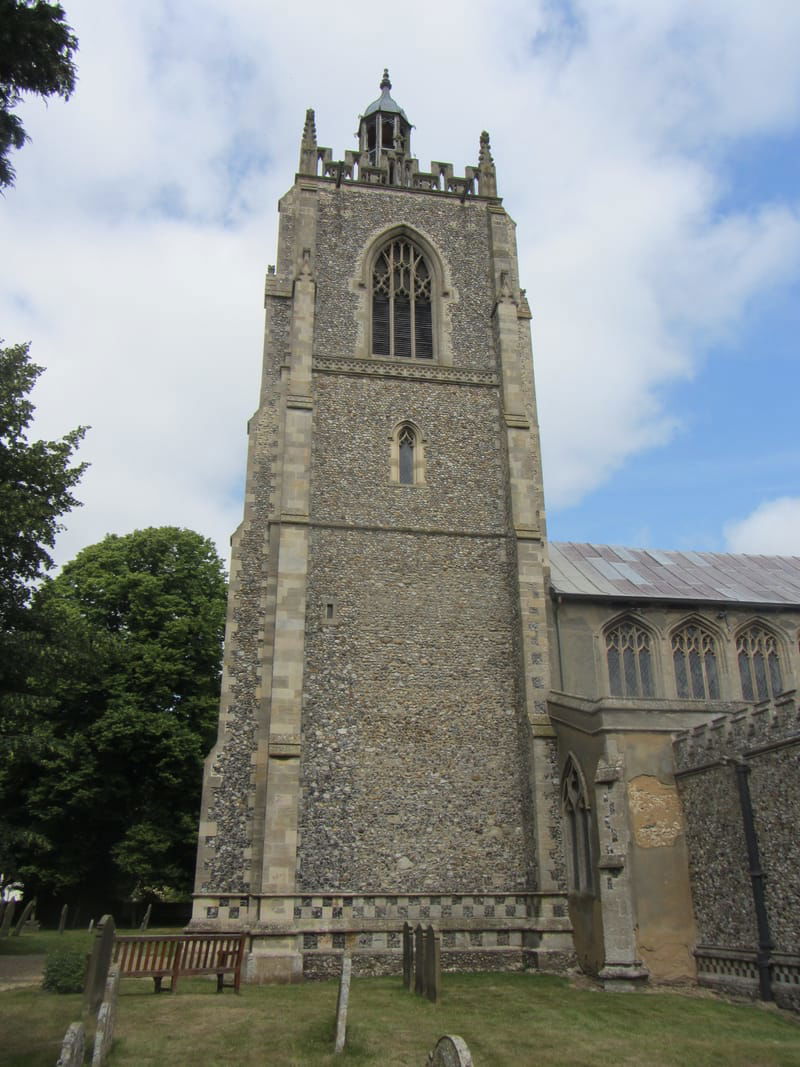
(649, 153)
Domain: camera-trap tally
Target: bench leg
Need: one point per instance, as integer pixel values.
(220, 981)
(157, 985)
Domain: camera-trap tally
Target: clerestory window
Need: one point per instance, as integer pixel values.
(629, 657)
(402, 312)
(694, 656)
(759, 666)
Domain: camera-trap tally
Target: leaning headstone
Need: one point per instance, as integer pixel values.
(62, 922)
(26, 914)
(146, 919)
(419, 960)
(111, 992)
(341, 1003)
(408, 956)
(91, 926)
(450, 1051)
(73, 1046)
(432, 966)
(8, 918)
(99, 963)
(106, 1019)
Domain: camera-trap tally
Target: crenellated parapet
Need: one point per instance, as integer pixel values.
(395, 168)
(729, 736)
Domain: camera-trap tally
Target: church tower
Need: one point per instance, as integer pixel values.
(384, 748)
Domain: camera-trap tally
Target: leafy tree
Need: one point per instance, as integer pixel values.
(110, 794)
(36, 50)
(36, 482)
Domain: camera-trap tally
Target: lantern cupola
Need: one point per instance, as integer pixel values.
(384, 131)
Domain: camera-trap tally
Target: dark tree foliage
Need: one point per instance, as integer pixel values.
(36, 483)
(109, 792)
(36, 50)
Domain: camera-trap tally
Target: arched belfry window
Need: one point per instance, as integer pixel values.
(578, 818)
(694, 657)
(630, 660)
(402, 311)
(759, 665)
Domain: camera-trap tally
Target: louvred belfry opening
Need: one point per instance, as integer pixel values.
(402, 317)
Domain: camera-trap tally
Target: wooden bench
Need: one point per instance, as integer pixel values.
(175, 956)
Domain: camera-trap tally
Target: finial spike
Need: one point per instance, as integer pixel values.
(487, 175)
(385, 83)
(308, 145)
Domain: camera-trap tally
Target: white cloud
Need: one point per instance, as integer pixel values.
(145, 212)
(773, 529)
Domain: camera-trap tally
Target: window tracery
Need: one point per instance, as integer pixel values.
(402, 309)
(629, 657)
(759, 664)
(577, 814)
(405, 443)
(407, 454)
(694, 657)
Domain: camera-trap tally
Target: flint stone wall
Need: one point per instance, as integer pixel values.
(768, 737)
(460, 424)
(350, 219)
(412, 774)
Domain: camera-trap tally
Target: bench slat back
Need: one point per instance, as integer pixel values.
(183, 954)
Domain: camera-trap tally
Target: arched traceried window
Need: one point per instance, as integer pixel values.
(402, 312)
(694, 656)
(629, 656)
(578, 818)
(759, 666)
(407, 454)
(406, 443)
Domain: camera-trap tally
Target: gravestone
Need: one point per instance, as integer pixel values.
(8, 917)
(106, 1019)
(408, 956)
(62, 922)
(450, 1051)
(26, 914)
(72, 1047)
(432, 965)
(341, 1004)
(99, 963)
(419, 960)
(146, 919)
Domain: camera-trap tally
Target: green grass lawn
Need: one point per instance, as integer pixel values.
(506, 1019)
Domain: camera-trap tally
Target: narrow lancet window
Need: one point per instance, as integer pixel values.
(406, 445)
(579, 829)
(402, 315)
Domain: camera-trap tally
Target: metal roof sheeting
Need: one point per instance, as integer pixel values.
(608, 571)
